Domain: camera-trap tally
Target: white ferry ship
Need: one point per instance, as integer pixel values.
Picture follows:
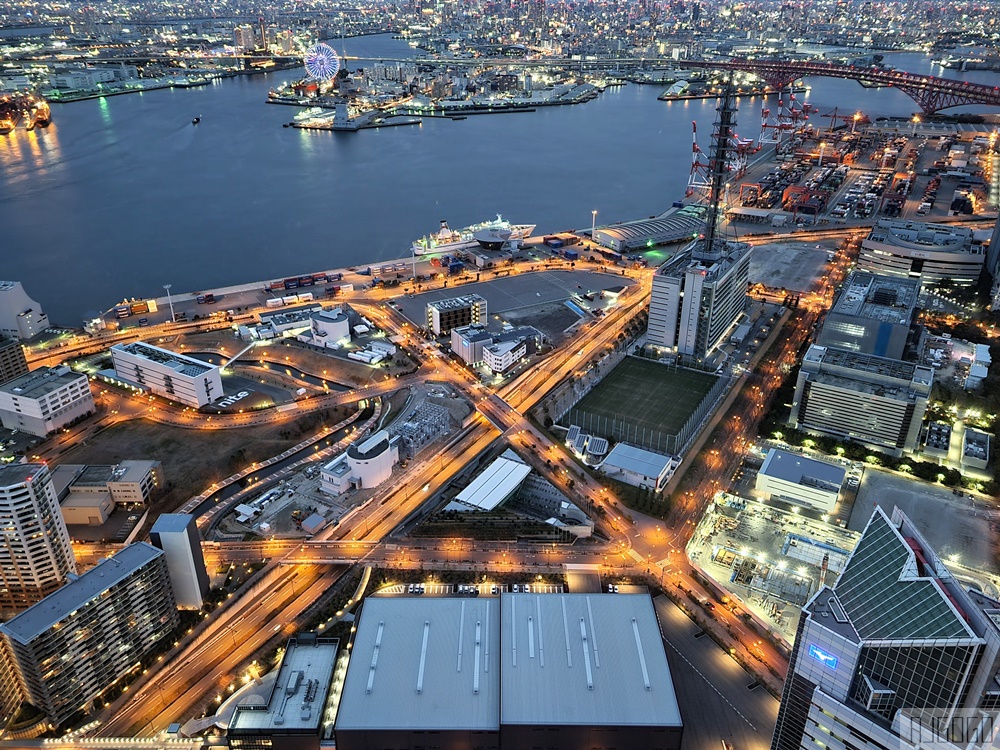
(446, 238)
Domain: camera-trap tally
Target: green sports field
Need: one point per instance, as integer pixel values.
(649, 395)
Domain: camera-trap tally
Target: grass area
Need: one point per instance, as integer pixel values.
(649, 395)
(194, 459)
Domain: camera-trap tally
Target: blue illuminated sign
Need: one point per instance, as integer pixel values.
(827, 660)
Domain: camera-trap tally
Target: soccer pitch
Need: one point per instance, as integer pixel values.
(648, 395)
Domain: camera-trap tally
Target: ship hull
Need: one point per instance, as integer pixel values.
(421, 247)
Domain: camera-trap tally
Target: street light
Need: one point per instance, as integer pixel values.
(170, 302)
(593, 223)
(822, 147)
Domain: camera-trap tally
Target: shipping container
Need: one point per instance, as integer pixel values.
(143, 322)
(210, 298)
(305, 280)
(306, 297)
(331, 290)
(435, 261)
(290, 299)
(554, 242)
(572, 255)
(275, 302)
(456, 268)
(346, 288)
(122, 311)
(366, 272)
(291, 283)
(201, 299)
(334, 276)
(276, 285)
(319, 278)
(138, 308)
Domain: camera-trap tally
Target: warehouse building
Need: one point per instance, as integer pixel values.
(555, 671)
(800, 480)
(496, 484)
(872, 315)
(677, 226)
(46, 400)
(873, 400)
(931, 253)
(174, 376)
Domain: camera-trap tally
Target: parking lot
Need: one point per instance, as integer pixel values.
(794, 265)
(958, 528)
(514, 292)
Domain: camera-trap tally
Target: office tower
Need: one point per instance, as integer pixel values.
(177, 535)
(932, 253)
(872, 315)
(69, 648)
(896, 645)
(46, 400)
(700, 294)
(35, 552)
(12, 361)
(445, 314)
(872, 400)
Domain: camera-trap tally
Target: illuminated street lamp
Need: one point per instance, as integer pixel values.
(593, 223)
(822, 147)
(170, 302)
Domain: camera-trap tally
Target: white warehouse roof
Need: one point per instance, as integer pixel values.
(425, 664)
(636, 460)
(496, 483)
(581, 659)
(797, 469)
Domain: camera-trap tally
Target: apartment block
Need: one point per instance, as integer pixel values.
(44, 401)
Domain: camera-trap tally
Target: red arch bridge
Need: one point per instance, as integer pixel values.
(932, 94)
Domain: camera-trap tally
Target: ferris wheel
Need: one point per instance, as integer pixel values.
(321, 62)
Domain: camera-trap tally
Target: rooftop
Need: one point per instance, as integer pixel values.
(298, 693)
(168, 523)
(94, 476)
(38, 618)
(20, 473)
(869, 363)
(494, 484)
(888, 299)
(923, 234)
(797, 469)
(677, 226)
(637, 460)
(180, 362)
(894, 587)
(454, 303)
(424, 664)
(373, 446)
(40, 383)
(572, 659)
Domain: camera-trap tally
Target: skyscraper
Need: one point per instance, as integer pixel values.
(35, 552)
(12, 361)
(895, 652)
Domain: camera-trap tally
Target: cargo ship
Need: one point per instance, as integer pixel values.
(17, 106)
(447, 239)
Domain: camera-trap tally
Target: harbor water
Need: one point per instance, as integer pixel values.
(120, 196)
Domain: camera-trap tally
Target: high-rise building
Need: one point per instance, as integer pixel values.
(20, 316)
(177, 535)
(872, 315)
(243, 38)
(12, 361)
(696, 302)
(69, 648)
(46, 400)
(932, 253)
(895, 652)
(872, 400)
(35, 551)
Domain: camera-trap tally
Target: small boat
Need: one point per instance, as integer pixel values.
(459, 117)
(196, 120)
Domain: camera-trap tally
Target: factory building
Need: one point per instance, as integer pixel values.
(46, 400)
(74, 644)
(36, 556)
(896, 653)
(872, 314)
(872, 400)
(363, 465)
(177, 535)
(20, 316)
(932, 253)
(174, 376)
(446, 314)
(696, 299)
(555, 671)
(12, 361)
(800, 480)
